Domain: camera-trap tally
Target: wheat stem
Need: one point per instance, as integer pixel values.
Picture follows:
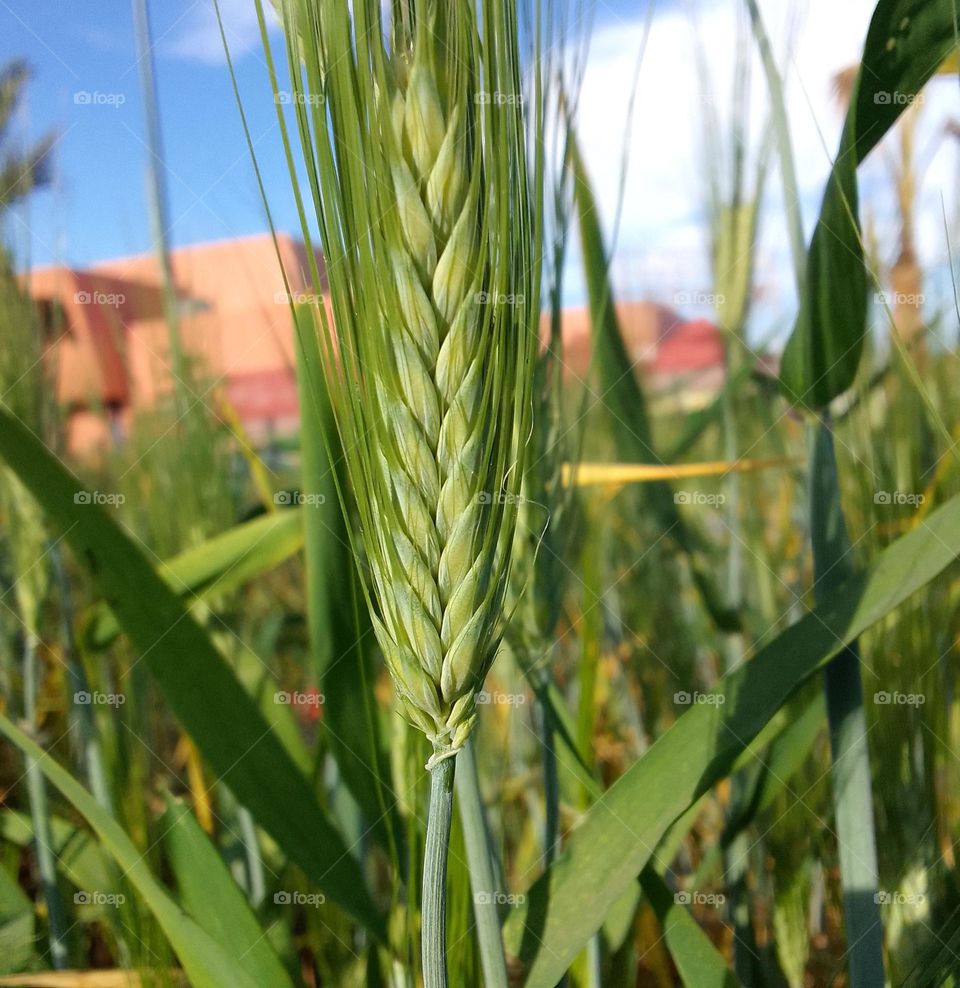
(434, 905)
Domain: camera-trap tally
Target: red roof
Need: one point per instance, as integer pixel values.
(693, 345)
(657, 339)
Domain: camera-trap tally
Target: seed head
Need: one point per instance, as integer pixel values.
(424, 203)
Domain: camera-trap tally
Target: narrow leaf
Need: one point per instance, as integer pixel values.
(211, 896)
(699, 962)
(219, 565)
(207, 963)
(616, 838)
(906, 43)
(200, 687)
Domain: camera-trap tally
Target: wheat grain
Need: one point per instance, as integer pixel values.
(420, 184)
(422, 195)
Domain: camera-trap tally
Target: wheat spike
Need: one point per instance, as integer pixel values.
(429, 247)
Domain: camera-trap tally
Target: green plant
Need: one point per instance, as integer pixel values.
(416, 157)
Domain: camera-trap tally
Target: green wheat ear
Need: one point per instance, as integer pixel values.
(417, 160)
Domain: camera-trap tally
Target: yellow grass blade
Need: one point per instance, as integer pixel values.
(81, 979)
(618, 474)
(259, 472)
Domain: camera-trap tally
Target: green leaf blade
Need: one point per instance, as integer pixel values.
(608, 850)
(202, 690)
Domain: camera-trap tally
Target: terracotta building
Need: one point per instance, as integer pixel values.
(111, 344)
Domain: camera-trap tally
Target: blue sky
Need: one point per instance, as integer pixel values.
(97, 206)
(97, 209)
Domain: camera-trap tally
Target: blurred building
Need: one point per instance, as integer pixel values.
(111, 345)
(109, 339)
(681, 360)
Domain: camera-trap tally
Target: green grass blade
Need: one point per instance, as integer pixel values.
(17, 927)
(781, 130)
(219, 565)
(483, 881)
(326, 546)
(211, 896)
(765, 775)
(615, 840)
(850, 766)
(79, 859)
(906, 44)
(341, 638)
(700, 964)
(201, 689)
(206, 962)
(623, 397)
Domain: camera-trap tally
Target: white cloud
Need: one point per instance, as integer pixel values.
(662, 239)
(195, 36)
